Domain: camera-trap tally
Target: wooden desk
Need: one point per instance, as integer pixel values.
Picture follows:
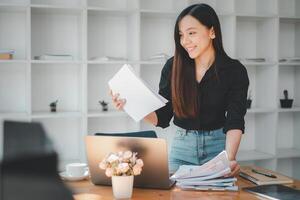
(105, 192)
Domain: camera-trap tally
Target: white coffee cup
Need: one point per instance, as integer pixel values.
(76, 169)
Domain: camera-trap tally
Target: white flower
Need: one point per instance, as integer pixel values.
(109, 172)
(102, 165)
(123, 167)
(121, 164)
(127, 155)
(137, 170)
(140, 162)
(112, 158)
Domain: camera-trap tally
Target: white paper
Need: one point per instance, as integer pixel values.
(217, 164)
(140, 99)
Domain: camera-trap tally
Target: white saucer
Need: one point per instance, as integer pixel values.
(67, 177)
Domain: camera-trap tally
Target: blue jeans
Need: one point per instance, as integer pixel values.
(195, 147)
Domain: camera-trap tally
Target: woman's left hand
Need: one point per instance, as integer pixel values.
(235, 169)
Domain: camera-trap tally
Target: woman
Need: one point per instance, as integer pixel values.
(206, 89)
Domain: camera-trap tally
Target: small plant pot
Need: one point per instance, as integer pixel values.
(53, 108)
(104, 108)
(248, 103)
(286, 103)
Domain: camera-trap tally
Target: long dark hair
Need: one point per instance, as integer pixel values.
(183, 84)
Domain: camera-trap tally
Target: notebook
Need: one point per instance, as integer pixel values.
(262, 176)
(275, 192)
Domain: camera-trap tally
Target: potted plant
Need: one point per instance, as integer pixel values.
(122, 167)
(249, 100)
(286, 102)
(104, 105)
(53, 106)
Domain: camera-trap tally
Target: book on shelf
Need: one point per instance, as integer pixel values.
(6, 54)
(209, 176)
(262, 176)
(54, 57)
(140, 98)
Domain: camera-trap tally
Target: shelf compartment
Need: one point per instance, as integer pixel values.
(157, 5)
(64, 133)
(97, 85)
(288, 137)
(261, 34)
(259, 129)
(262, 91)
(14, 35)
(56, 31)
(114, 4)
(52, 82)
(162, 28)
(256, 7)
(289, 79)
(13, 90)
(228, 34)
(65, 3)
(289, 8)
(104, 38)
(289, 38)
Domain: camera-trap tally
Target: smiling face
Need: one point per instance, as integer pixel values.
(195, 38)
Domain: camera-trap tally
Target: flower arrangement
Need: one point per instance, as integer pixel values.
(122, 164)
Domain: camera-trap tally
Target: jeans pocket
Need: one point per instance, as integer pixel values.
(180, 135)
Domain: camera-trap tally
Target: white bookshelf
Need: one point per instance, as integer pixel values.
(134, 30)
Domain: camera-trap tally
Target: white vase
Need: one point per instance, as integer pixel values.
(122, 186)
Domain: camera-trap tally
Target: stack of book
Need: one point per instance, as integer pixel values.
(53, 57)
(6, 54)
(209, 176)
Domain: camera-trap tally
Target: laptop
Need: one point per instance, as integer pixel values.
(153, 151)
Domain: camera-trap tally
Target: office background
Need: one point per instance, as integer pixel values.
(102, 35)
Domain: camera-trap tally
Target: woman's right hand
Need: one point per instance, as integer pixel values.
(117, 102)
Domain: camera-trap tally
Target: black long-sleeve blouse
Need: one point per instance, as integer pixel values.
(221, 98)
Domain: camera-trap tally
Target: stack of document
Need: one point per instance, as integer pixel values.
(159, 56)
(140, 98)
(54, 57)
(290, 59)
(108, 58)
(209, 176)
